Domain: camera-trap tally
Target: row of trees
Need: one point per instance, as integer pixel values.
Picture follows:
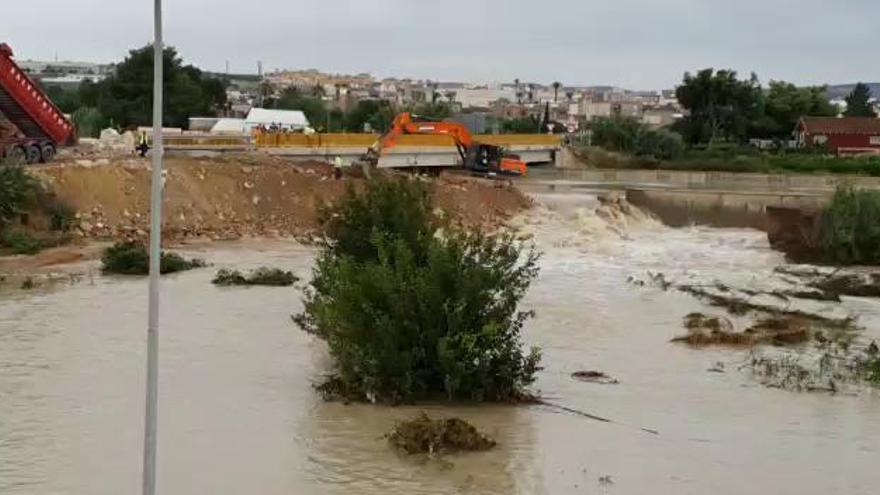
(628, 135)
(723, 107)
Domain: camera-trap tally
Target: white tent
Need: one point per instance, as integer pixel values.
(228, 126)
(286, 119)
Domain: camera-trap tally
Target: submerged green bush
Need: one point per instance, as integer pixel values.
(20, 241)
(132, 258)
(413, 312)
(849, 229)
(274, 277)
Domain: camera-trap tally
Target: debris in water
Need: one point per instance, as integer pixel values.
(815, 294)
(28, 284)
(709, 330)
(437, 436)
(261, 276)
(594, 377)
(718, 367)
(738, 306)
(780, 329)
(823, 368)
(852, 284)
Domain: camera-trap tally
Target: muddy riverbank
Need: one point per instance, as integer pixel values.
(240, 195)
(236, 396)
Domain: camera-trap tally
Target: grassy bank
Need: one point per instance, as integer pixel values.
(736, 160)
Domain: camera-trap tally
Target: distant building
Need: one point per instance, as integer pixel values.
(842, 135)
(591, 110)
(661, 116)
(64, 67)
(228, 126)
(284, 119)
(203, 124)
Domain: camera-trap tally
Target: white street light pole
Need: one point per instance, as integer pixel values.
(149, 482)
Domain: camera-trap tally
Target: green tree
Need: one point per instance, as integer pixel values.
(521, 125)
(556, 86)
(720, 106)
(858, 102)
(784, 104)
(313, 108)
(65, 99)
(89, 122)
(434, 111)
(378, 113)
(126, 96)
(628, 135)
(409, 314)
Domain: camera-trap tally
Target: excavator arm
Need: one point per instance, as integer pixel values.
(406, 123)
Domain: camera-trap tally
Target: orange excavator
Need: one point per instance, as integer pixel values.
(477, 157)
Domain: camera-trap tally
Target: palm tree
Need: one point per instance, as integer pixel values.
(556, 86)
(434, 93)
(569, 95)
(450, 96)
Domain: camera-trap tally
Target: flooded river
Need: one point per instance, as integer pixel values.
(238, 415)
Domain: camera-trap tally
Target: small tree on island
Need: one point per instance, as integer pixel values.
(412, 310)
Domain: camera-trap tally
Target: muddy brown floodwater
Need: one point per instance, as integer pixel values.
(237, 414)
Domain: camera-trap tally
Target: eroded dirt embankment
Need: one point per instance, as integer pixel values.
(243, 195)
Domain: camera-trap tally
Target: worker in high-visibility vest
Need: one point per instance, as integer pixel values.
(143, 147)
(337, 167)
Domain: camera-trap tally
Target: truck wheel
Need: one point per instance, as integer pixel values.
(47, 152)
(15, 155)
(33, 153)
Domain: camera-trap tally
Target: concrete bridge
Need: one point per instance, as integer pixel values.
(412, 150)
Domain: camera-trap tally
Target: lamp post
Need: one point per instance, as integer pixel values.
(149, 481)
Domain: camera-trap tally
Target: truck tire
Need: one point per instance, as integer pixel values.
(15, 155)
(33, 153)
(47, 152)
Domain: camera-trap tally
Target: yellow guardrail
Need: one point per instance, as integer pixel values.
(291, 140)
(204, 140)
(520, 139)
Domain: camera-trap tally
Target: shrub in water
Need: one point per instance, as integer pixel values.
(18, 191)
(20, 242)
(132, 258)
(424, 435)
(849, 231)
(411, 312)
(261, 276)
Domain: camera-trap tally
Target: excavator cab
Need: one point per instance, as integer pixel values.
(488, 158)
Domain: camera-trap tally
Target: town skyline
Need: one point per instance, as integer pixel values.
(630, 44)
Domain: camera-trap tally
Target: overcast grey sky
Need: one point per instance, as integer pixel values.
(639, 44)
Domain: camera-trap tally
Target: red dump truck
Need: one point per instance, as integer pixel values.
(31, 126)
